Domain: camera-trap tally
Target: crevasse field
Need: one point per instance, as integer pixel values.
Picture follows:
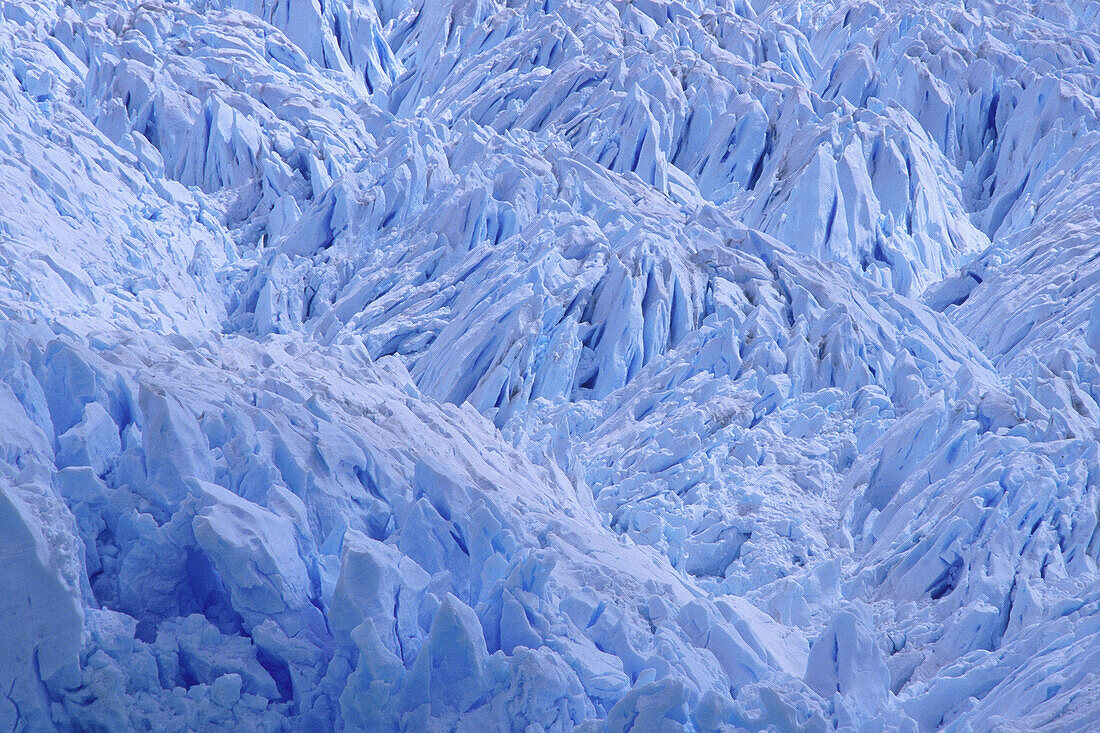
(562, 365)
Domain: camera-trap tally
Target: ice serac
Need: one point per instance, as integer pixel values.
(470, 365)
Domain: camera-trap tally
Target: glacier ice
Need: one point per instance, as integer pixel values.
(472, 365)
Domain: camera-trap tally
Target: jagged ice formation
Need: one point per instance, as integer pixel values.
(613, 365)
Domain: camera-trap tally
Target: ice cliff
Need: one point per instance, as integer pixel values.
(595, 365)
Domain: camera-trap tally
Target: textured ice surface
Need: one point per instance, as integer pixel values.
(470, 365)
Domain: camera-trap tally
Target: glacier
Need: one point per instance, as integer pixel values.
(550, 365)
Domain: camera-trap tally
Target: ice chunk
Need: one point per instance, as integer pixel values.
(845, 662)
(448, 672)
(255, 551)
(94, 442)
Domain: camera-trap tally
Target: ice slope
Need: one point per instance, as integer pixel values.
(548, 366)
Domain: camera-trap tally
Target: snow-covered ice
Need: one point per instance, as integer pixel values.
(567, 365)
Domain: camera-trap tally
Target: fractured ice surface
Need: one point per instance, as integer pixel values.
(546, 366)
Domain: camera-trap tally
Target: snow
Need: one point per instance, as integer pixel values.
(474, 365)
